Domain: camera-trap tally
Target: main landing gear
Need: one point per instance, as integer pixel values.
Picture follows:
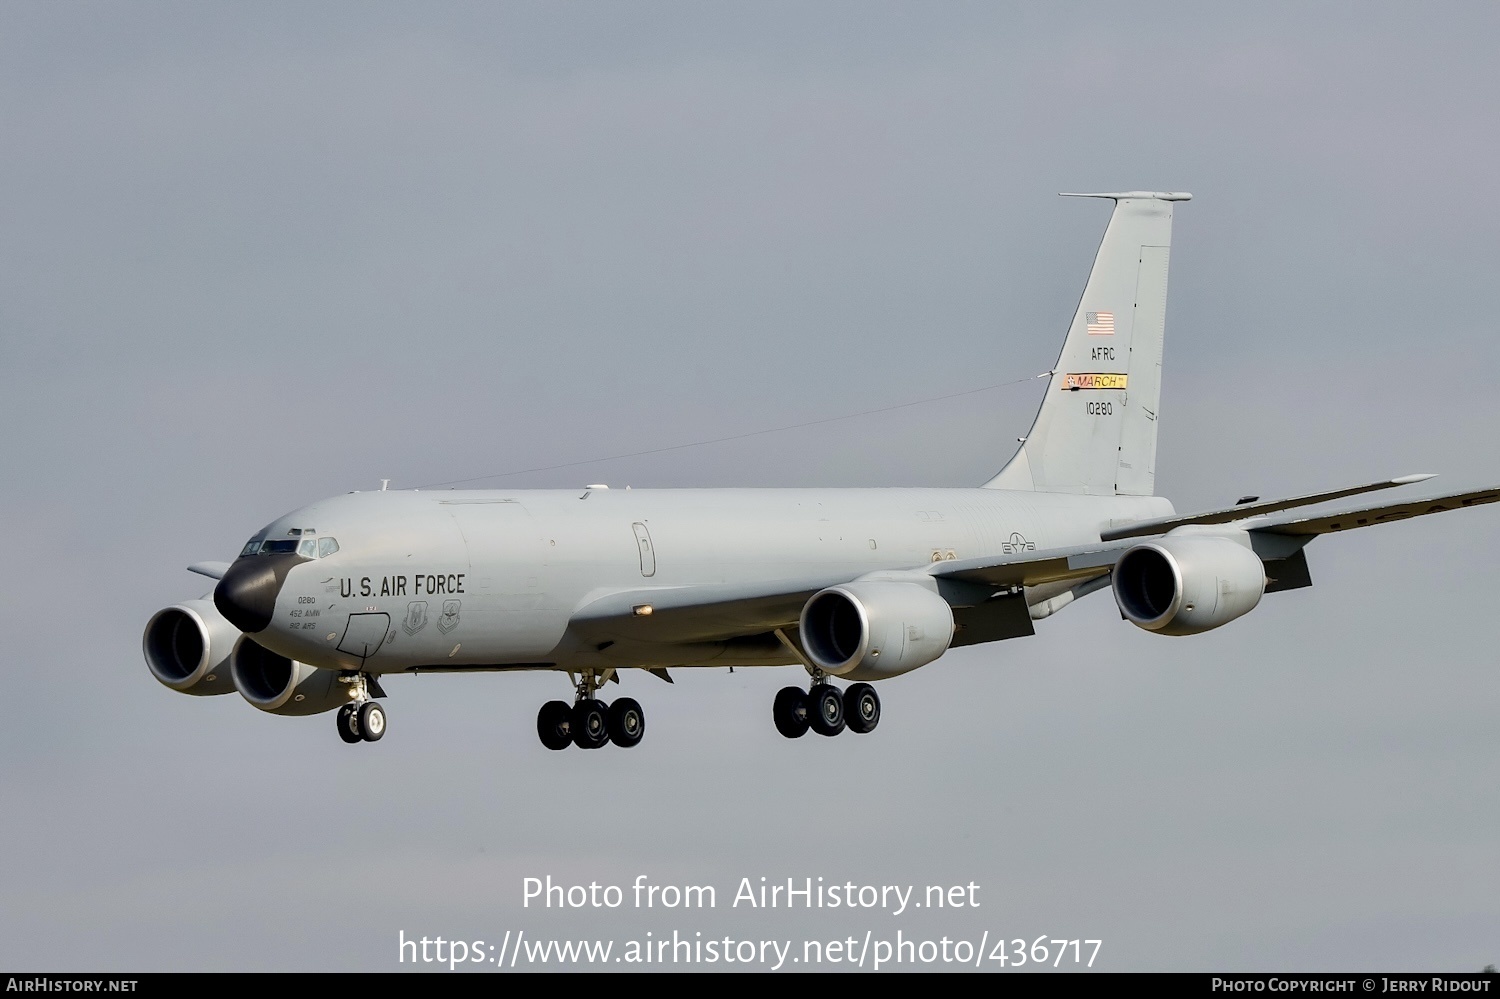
(362, 719)
(825, 709)
(590, 723)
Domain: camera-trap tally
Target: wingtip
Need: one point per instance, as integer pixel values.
(1419, 477)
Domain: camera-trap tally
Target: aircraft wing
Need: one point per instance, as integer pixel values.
(213, 570)
(679, 614)
(1368, 516)
(1241, 511)
(676, 614)
(1035, 567)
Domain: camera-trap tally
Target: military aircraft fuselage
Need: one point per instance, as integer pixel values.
(398, 580)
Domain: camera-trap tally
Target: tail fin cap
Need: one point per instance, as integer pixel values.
(1132, 195)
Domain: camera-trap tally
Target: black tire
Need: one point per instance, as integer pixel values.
(590, 724)
(791, 712)
(862, 705)
(371, 721)
(554, 725)
(347, 725)
(627, 722)
(825, 709)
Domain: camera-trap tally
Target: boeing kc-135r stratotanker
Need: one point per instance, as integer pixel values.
(853, 584)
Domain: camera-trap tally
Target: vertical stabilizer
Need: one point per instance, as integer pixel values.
(1096, 430)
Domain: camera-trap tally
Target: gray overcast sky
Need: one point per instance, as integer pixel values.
(253, 255)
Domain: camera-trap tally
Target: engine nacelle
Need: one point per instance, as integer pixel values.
(1187, 584)
(873, 629)
(187, 647)
(283, 686)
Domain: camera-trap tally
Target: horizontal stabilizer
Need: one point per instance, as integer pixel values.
(213, 570)
(1228, 514)
(1368, 516)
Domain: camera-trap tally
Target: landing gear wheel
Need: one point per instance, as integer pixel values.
(348, 725)
(627, 722)
(863, 707)
(371, 717)
(554, 725)
(825, 709)
(590, 724)
(791, 712)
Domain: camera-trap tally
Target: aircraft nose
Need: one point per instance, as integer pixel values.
(246, 596)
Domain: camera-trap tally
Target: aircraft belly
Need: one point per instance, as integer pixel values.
(753, 650)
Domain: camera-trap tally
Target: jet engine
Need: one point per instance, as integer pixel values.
(873, 629)
(284, 686)
(187, 647)
(1188, 584)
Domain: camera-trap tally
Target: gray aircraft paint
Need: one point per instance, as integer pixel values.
(597, 579)
(534, 563)
(530, 560)
(1102, 441)
(617, 231)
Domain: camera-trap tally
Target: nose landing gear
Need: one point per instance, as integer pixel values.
(590, 723)
(362, 719)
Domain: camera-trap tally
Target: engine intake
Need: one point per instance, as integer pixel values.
(187, 647)
(1186, 585)
(283, 686)
(873, 629)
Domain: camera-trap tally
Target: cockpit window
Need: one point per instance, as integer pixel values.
(305, 546)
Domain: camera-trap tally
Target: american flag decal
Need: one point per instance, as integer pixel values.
(1100, 323)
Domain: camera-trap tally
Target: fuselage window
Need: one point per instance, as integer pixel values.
(326, 547)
